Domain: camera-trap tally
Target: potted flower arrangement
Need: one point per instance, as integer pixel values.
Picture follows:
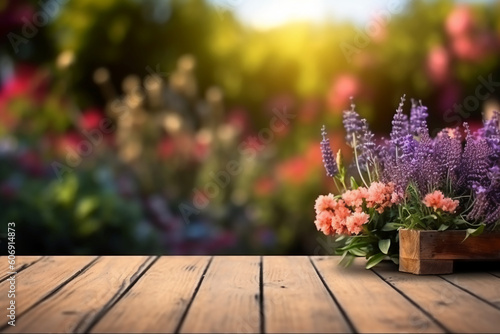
(415, 198)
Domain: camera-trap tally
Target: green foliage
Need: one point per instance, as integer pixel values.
(78, 215)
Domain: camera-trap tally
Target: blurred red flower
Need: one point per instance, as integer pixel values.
(264, 186)
(294, 170)
(344, 86)
(166, 148)
(90, 119)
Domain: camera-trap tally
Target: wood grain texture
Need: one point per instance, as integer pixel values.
(369, 302)
(75, 306)
(483, 285)
(425, 267)
(448, 245)
(40, 279)
(22, 262)
(457, 310)
(433, 252)
(228, 298)
(159, 299)
(285, 294)
(296, 300)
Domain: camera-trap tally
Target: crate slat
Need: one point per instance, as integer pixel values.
(433, 252)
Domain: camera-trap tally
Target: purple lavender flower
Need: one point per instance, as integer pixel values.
(328, 159)
(399, 125)
(491, 132)
(418, 119)
(367, 147)
(353, 125)
(475, 161)
(448, 151)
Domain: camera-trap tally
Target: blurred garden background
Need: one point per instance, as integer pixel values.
(193, 127)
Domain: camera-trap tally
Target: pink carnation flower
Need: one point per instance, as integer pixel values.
(381, 196)
(324, 203)
(355, 222)
(339, 218)
(438, 201)
(331, 215)
(354, 198)
(323, 222)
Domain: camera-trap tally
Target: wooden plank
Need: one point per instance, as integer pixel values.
(296, 300)
(40, 279)
(75, 307)
(22, 262)
(425, 267)
(451, 245)
(361, 292)
(228, 298)
(455, 309)
(432, 252)
(158, 301)
(483, 285)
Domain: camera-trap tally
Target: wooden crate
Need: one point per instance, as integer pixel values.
(433, 252)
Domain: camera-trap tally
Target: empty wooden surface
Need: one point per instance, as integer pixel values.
(243, 294)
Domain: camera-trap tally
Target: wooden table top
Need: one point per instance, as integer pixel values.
(242, 294)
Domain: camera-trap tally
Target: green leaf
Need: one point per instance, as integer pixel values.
(354, 184)
(346, 260)
(384, 245)
(443, 227)
(357, 252)
(374, 260)
(474, 231)
(342, 237)
(390, 227)
(395, 258)
(85, 207)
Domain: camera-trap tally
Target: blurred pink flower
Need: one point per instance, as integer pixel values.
(438, 64)
(238, 118)
(27, 82)
(344, 86)
(474, 47)
(460, 21)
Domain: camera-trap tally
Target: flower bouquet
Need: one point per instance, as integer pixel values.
(409, 181)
